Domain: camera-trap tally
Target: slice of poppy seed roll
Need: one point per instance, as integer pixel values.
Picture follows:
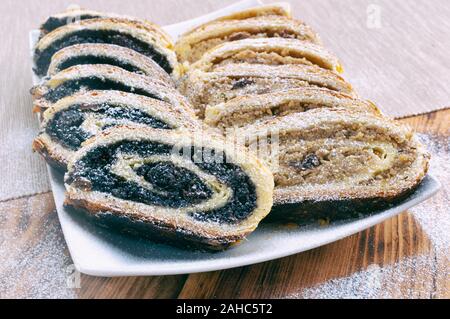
(192, 46)
(247, 109)
(72, 15)
(170, 186)
(268, 51)
(110, 54)
(332, 156)
(75, 14)
(135, 35)
(74, 119)
(233, 80)
(83, 78)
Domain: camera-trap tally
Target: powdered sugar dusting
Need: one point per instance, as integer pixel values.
(386, 281)
(374, 282)
(34, 259)
(434, 214)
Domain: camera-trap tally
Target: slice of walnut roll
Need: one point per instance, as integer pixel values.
(268, 51)
(247, 109)
(191, 47)
(332, 156)
(233, 80)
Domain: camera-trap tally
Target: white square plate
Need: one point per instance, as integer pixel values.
(100, 252)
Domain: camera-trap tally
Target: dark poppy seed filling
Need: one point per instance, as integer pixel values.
(54, 23)
(93, 83)
(95, 59)
(43, 58)
(172, 186)
(177, 181)
(65, 126)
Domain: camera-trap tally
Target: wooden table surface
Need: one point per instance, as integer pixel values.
(31, 237)
(398, 258)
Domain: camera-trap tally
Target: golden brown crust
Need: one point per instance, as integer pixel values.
(159, 89)
(276, 9)
(75, 14)
(143, 32)
(191, 47)
(108, 217)
(210, 88)
(268, 51)
(248, 109)
(138, 62)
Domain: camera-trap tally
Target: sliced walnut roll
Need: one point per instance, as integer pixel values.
(192, 46)
(83, 78)
(271, 51)
(234, 80)
(170, 187)
(338, 156)
(109, 54)
(74, 119)
(247, 109)
(280, 9)
(140, 37)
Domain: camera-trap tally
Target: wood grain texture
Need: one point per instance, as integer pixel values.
(35, 261)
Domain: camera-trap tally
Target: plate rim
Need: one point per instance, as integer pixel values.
(190, 267)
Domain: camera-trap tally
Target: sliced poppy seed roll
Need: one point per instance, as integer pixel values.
(336, 155)
(271, 51)
(76, 14)
(76, 118)
(109, 54)
(193, 46)
(83, 78)
(247, 109)
(171, 186)
(233, 80)
(135, 35)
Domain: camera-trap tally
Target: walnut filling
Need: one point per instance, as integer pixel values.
(199, 48)
(43, 58)
(243, 117)
(227, 88)
(342, 157)
(266, 58)
(327, 161)
(149, 173)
